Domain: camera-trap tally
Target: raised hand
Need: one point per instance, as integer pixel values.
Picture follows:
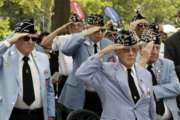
(109, 49)
(91, 30)
(145, 52)
(16, 37)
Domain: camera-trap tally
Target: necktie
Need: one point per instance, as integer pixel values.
(95, 48)
(28, 89)
(160, 109)
(132, 86)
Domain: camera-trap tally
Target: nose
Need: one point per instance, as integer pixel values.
(131, 51)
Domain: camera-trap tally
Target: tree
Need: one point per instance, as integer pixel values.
(61, 13)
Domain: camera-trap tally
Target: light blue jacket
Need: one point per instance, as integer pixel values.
(73, 92)
(9, 81)
(169, 86)
(111, 84)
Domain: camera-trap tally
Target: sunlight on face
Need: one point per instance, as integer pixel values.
(127, 55)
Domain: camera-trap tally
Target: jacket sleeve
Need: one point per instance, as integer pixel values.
(3, 47)
(71, 45)
(171, 88)
(91, 72)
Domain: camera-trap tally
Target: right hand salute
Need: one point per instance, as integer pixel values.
(109, 49)
(91, 30)
(16, 37)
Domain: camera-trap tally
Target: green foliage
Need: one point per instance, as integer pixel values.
(162, 11)
(17, 10)
(4, 27)
(13, 11)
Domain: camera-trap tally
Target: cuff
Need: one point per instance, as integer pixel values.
(6, 43)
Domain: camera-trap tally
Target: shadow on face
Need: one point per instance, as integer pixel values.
(26, 44)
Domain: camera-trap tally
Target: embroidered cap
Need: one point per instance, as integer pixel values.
(95, 20)
(152, 33)
(26, 26)
(127, 38)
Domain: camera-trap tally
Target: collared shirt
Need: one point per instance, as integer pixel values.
(134, 75)
(65, 62)
(36, 83)
(91, 43)
(167, 113)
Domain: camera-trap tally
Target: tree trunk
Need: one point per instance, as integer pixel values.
(61, 13)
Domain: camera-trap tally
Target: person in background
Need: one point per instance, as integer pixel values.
(82, 45)
(125, 88)
(26, 91)
(172, 52)
(166, 85)
(139, 23)
(55, 40)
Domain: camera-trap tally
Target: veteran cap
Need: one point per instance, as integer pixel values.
(26, 26)
(95, 20)
(127, 38)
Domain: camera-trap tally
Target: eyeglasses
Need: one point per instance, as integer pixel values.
(140, 25)
(129, 49)
(27, 38)
(101, 31)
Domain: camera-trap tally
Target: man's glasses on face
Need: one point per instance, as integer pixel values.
(27, 38)
(130, 49)
(142, 25)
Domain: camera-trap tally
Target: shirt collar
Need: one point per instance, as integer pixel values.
(21, 55)
(132, 69)
(91, 43)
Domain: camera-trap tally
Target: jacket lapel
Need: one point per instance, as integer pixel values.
(121, 77)
(157, 70)
(13, 62)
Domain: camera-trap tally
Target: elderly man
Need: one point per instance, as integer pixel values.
(26, 92)
(125, 89)
(82, 45)
(139, 23)
(165, 82)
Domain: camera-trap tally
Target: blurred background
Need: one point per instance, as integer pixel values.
(50, 14)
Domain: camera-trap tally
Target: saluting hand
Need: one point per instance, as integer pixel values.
(145, 52)
(109, 49)
(91, 30)
(16, 37)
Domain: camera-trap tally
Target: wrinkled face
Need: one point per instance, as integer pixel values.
(154, 54)
(127, 55)
(97, 36)
(76, 27)
(140, 28)
(26, 44)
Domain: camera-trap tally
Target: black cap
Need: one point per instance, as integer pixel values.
(75, 18)
(127, 38)
(26, 26)
(95, 20)
(152, 33)
(138, 16)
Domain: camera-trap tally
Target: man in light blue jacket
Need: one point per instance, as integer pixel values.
(165, 82)
(26, 91)
(82, 45)
(125, 88)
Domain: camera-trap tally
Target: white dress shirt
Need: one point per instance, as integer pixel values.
(134, 75)
(36, 83)
(65, 62)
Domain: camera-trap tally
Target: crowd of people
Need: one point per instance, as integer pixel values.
(90, 70)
